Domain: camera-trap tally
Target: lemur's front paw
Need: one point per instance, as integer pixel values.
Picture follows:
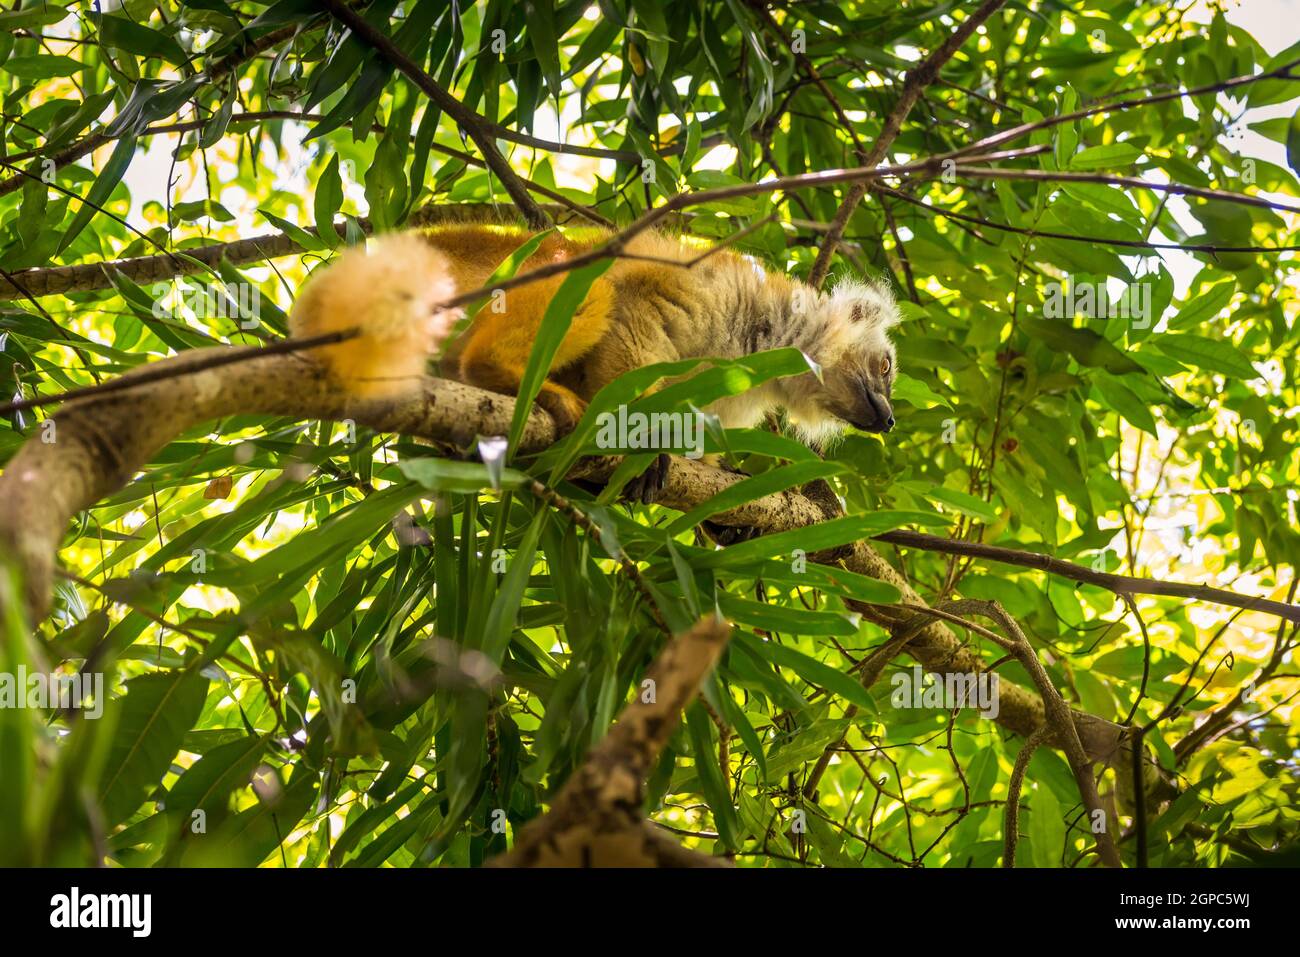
(649, 485)
(726, 534)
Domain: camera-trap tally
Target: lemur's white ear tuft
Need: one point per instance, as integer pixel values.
(870, 302)
(390, 290)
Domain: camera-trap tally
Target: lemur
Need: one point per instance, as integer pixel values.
(651, 306)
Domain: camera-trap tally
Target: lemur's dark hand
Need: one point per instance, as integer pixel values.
(725, 534)
(647, 487)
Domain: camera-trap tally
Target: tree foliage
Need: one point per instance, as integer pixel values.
(328, 645)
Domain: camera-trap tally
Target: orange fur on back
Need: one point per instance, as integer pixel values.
(495, 350)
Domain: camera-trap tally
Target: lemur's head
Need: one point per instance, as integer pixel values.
(849, 338)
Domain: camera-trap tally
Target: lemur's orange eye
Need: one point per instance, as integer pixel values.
(884, 366)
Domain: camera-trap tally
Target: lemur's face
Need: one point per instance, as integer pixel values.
(859, 362)
(859, 386)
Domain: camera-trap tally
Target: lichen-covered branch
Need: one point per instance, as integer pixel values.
(93, 447)
(596, 820)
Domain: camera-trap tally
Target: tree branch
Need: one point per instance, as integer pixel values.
(464, 117)
(100, 444)
(1058, 717)
(1119, 584)
(87, 277)
(1070, 237)
(1024, 129)
(914, 83)
(596, 820)
(1048, 176)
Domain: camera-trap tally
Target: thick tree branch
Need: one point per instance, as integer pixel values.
(99, 444)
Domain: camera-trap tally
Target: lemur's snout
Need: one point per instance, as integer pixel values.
(884, 412)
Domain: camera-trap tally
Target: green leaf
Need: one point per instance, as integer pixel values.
(963, 502)
(247, 838)
(1046, 828)
(1293, 143)
(447, 475)
(1209, 355)
(1206, 305)
(712, 783)
(31, 19)
(1125, 401)
(208, 784)
(1108, 156)
(299, 235)
(41, 66)
(756, 487)
(555, 325)
(505, 606)
(152, 720)
(810, 669)
(917, 393)
(107, 181)
(542, 37)
(791, 621)
(327, 201)
(815, 538)
(120, 33)
(1087, 347)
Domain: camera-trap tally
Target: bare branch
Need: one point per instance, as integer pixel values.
(1119, 584)
(1011, 822)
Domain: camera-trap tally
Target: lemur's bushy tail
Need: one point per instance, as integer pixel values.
(389, 290)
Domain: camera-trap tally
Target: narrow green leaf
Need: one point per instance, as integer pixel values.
(153, 717)
(555, 325)
(809, 669)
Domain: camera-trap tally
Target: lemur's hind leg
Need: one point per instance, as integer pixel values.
(488, 372)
